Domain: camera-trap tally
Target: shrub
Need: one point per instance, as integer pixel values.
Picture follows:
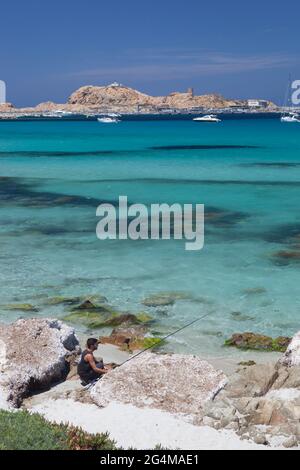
(21, 430)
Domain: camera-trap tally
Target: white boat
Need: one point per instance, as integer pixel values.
(207, 118)
(291, 117)
(108, 120)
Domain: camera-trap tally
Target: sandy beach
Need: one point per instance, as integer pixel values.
(133, 427)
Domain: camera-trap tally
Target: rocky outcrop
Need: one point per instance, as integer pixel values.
(169, 382)
(254, 341)
(49, 106)
(6, 107)
(265, 395)
(131, 338)
(33, 354)
(188, 100)
(117, 97)
(108, 96)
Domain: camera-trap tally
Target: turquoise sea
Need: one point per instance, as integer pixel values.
(246, 172)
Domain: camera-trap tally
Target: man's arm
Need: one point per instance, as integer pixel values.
(91, 361)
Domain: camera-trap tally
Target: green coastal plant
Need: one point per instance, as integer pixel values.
(21, 430)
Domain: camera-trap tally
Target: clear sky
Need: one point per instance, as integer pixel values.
(237, 48)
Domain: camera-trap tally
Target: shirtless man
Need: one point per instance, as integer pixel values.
(88, 369)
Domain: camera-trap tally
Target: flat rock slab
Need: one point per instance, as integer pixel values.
(169, 382)
(33, 355)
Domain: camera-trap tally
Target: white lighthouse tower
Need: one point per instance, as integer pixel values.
(2, 92)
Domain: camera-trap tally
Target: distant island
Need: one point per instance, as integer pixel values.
(117, 98)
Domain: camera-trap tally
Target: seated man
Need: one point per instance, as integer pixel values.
(88, 369)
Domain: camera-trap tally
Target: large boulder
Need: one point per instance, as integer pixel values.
(292, 355)
(277, 407)
(252, 381)
(170, 382)
(33, 354)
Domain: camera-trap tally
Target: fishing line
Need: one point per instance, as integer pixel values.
(154, 345)
(166, 337)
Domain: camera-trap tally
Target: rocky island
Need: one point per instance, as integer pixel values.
(117, 98)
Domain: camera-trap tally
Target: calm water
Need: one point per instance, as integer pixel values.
(245, 171)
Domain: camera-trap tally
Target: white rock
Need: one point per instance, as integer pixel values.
(284, 394)
(260, 439)
(32, 356)
(290, 442)
(292, 354)
(170, 382)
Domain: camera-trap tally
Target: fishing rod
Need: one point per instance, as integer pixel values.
(165, 337)
(87, 387)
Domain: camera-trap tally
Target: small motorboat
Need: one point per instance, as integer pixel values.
(207, 118)
(289, 114)
(108, 120)
(291, 117)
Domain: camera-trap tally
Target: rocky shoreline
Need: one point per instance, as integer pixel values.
(257, 404)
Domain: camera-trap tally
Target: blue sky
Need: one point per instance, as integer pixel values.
(239, 49)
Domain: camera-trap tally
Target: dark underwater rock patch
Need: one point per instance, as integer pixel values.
(159, 300)
(203, 147)
(270, 165)
(254, 291)
(24, 192)
(55, 153)
(223, 218)
(200, 181)
(285, 257)
(251, 183)
(239, 316)
(22, 307)
(288, 234)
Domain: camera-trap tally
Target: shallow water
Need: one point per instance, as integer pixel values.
(54, 174)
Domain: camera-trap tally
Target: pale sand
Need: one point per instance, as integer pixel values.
(3, 403)
(111, 353)
(141, 428)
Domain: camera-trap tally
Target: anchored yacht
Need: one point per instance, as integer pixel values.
(207, 118)
(291, 117)
(108, 120)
